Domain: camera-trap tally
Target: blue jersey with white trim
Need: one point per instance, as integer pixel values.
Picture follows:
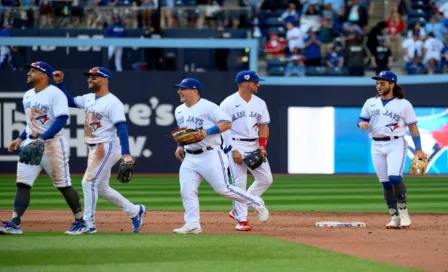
(390, 119)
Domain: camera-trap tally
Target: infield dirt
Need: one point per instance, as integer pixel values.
(424, 245)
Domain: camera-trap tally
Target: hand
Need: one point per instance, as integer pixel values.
(58, 76)
(180, 153)
(363, 125)
(127, 158)
(263, 150)
(236, 156)
(204, 133)
(14, 145)
(419, 153)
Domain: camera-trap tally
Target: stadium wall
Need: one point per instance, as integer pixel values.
(313, 128)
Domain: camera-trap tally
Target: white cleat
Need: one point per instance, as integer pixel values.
(394, 222)
(188, 230)
(77, 229)
(405, 220)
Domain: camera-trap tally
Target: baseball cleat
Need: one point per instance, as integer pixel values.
(262, 211)
(188, 230)
(405, 220)
(243, 226)
(77, 229)
(232, 214)
(394, 222)
(11, 228)
(137, 221)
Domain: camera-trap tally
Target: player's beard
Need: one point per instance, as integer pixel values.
(386, 92)
(94, 87)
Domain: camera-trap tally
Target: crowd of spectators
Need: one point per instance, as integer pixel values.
(298, 37)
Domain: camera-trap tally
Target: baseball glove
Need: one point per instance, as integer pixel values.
(418, 166)
(185, 136)
(126, 169)
(32, 153)
(254, 159)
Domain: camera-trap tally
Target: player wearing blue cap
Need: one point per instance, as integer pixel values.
(249, 132)
(46, 113)
(386, 116)
(5, 51)
(106, 134)
(116, 30)
(205, 159)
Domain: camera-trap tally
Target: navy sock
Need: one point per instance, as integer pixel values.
(21, 202)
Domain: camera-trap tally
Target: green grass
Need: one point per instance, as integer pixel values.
(330, 193)
(151, 252)
(156, 252)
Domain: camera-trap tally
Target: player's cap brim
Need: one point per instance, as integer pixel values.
(94, 74)
(183, 86)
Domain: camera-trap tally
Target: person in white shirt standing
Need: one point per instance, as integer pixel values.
(386, 116)
(412, 47)
(205, 159)
(106, 134)
(46, 113)
(249, 132)
(432, 51)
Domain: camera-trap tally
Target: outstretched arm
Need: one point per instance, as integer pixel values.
(58, 77)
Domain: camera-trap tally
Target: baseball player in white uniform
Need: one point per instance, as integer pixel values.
(205, 159)
(249, 132)
(106, 134)
(46, 113)
(386, 117)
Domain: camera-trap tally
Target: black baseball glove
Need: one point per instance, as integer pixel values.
(126, 169)
(32, 153)
(254, 159)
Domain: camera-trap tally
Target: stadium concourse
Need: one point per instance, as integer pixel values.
(297, 38)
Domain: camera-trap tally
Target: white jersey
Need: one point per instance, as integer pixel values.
(389, 120)
(42, 108)
(246, 116)
(101, 116)
(433, 49)
(202, 115)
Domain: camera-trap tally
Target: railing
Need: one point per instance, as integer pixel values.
(63, 15)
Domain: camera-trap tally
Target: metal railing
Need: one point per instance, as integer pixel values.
(59, 15)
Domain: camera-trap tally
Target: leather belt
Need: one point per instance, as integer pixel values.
(199, 151)
(387, 138)
(245, 140)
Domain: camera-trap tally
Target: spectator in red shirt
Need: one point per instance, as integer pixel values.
(395, 26)
(275, 47)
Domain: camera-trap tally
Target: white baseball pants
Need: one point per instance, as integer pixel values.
(389, 158)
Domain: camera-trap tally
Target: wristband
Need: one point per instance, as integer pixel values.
(263, 141)
(212, 130)
(417, 142)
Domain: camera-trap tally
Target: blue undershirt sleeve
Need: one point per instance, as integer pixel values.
(361, 119)
(57, 125)
(123, 134)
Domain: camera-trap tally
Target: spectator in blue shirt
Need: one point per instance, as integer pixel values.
(436, 27)
(312, 46)
(415, 67)
(335, 58)
(116, 30)
(5, 51)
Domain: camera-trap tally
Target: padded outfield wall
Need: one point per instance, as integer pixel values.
(313, 127)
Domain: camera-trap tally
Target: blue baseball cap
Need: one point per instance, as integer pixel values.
(247, 76)
(387, 75)
(99, 71)
(41, 66)
(189, 83)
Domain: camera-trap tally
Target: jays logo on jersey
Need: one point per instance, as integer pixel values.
(95, 125)
(42, 119)
(393, 127)
(92, 122)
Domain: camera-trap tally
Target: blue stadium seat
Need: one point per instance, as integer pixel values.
(274, 22)
(277, 62)
(277, 71)
(279, 30)
(315, 70)
(336, 71)
(421, 20)
(419, 5)
(416, 13)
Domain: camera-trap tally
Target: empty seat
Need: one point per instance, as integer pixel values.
(277, 71)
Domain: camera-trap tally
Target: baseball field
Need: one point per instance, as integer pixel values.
(289, 241)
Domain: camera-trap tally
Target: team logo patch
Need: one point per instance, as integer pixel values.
(393, 127)
(247, 77)
(96, 125)
(42, 119)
